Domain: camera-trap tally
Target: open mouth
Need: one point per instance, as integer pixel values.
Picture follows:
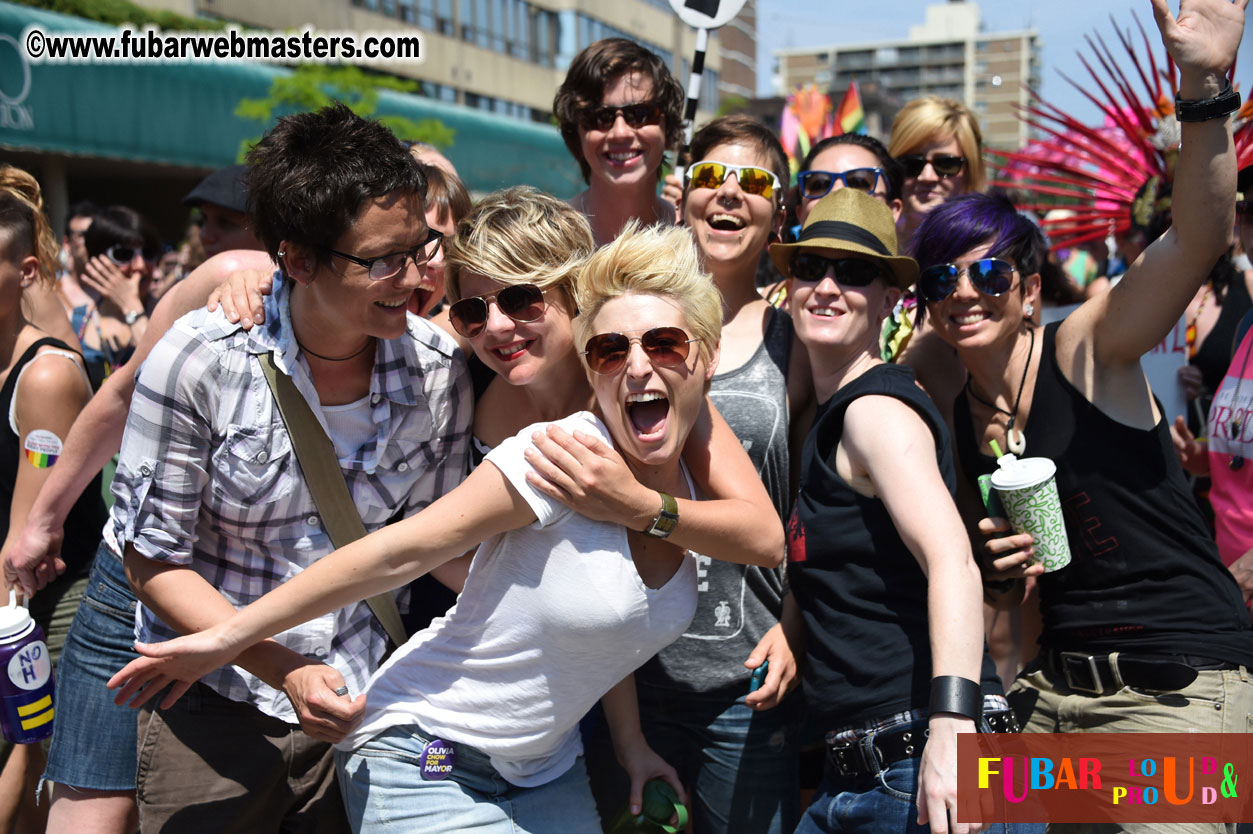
(968, 319)
(511, 351)
(400, 305)
(725, 223)
(824, 312)
(623, 159)
(648, 413)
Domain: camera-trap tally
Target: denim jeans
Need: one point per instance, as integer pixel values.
(878, 803)
(384, 792)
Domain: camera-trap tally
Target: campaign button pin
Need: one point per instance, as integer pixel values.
(438, 758)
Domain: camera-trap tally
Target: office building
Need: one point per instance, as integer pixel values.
(509, 56)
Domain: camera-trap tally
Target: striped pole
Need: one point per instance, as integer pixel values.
(693, 97)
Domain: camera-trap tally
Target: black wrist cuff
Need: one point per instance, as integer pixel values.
(1202, 110)
(961, 696)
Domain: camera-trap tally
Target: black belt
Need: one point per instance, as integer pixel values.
(1094, 674)
(870, 753)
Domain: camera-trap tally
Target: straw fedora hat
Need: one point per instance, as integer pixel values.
(853, 222)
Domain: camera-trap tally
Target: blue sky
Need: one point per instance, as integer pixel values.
(1060, 23)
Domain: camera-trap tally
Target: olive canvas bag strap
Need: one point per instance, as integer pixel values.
(326, 482)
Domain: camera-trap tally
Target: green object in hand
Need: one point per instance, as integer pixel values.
(661, 803)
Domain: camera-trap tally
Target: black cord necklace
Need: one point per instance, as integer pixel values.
(1017, 445)
(369, 344)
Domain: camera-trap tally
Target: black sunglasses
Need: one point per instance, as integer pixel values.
(635, 115)
(815, 184)
(990, 276)
(389, 265)
(851, 272)
(122, 254)
(945, 165)
(521, 302)
(666, 347)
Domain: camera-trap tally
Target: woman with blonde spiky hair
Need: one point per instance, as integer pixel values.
(473, 723)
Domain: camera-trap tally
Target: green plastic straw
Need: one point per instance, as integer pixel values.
(996, 449)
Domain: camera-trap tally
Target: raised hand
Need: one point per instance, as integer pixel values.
(1204, 37)
(111, 282)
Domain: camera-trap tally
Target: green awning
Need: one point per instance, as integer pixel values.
(183, 114)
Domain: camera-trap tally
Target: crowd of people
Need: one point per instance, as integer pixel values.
(428, 513)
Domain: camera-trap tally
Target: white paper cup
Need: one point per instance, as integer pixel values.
(1028, 489)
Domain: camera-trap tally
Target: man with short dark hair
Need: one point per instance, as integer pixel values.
(213, 509)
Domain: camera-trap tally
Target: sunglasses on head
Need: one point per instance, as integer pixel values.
(945, 165)
(635, 115)
(815, 184)
(666, 347)
(390, 265)
(523, 303)
(752, 180)
(851, 272)
(990, 276)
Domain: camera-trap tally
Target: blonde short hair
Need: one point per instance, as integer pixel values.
(660, 261)
(934, 119)
(25, 187)
(520, 236)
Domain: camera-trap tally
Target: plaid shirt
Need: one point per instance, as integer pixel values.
(207, 477)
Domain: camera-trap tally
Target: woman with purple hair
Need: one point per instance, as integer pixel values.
(1145, 629)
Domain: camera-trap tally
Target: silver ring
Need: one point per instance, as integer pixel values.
(343, 690)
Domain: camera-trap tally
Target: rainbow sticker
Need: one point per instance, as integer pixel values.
(42, 448)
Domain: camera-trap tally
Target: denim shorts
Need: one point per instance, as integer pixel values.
(384, 792)
(93, 743)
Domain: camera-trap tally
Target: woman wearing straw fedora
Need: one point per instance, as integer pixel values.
(893, 629)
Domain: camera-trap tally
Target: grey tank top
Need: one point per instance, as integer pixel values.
(737, 604)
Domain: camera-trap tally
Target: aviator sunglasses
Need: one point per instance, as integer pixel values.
(390, 265)
(635, 115)
(990, 276)
(524, 303)
(945, 165)
(666, 347)
(815, 184)
(851, 272)
(753, 180)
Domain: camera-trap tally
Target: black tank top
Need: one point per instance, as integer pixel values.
(860, 590)
(1144, 574)
(87, 517)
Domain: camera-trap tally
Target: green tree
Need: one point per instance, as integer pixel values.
(312, 86)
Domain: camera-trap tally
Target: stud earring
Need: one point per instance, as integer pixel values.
(1028, 310)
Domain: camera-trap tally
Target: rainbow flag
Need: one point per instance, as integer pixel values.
(850, 117)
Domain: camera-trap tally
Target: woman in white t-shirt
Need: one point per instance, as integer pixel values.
(474, 722)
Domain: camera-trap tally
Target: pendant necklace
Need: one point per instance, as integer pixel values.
(1015, 441)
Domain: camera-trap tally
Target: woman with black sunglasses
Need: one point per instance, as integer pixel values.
(619, 109)
(1145, 628)
(878, 562)
(473, 723)
(116, 276)
(939, 145)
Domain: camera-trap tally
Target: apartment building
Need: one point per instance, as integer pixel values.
(949, 55)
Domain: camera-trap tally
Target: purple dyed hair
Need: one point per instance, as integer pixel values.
(962, 223)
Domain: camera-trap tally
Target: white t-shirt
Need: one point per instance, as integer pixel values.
(552, 616)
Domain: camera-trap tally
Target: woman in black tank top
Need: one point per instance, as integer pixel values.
(1145, 605)
(879, 563)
